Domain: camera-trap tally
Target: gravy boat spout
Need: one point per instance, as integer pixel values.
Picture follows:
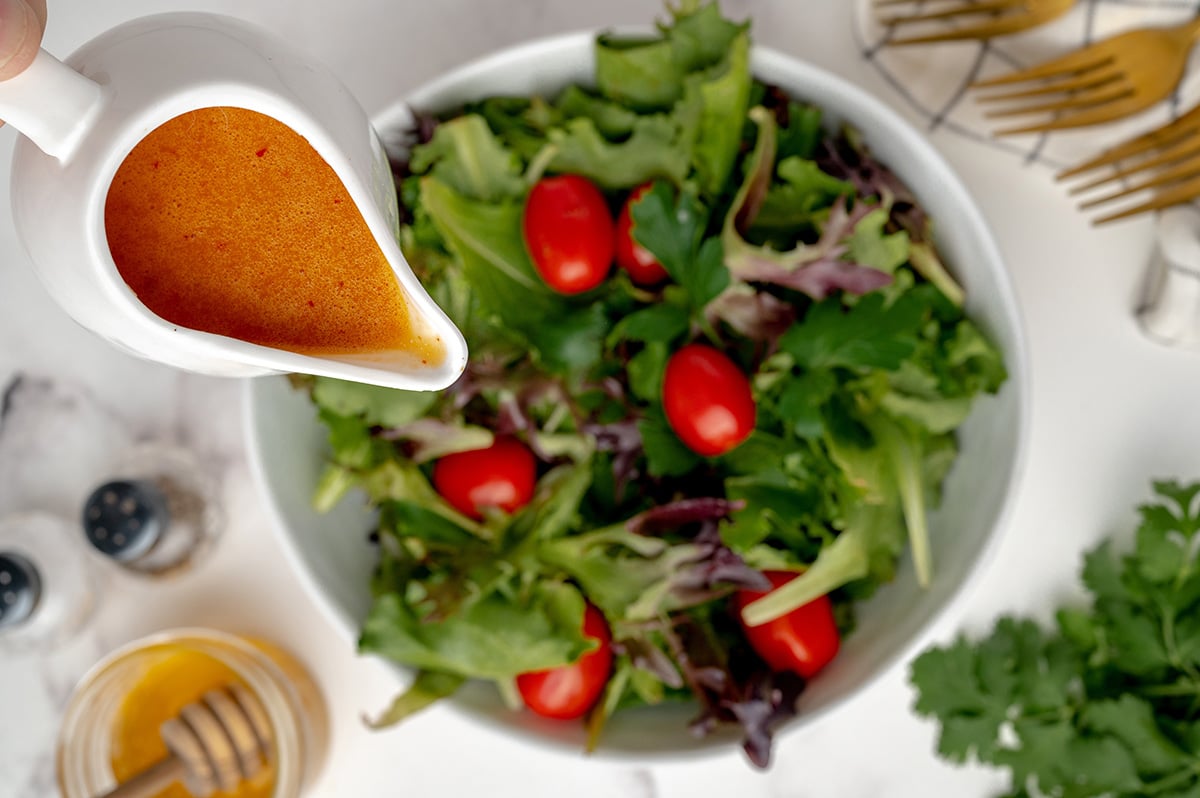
(85, 121)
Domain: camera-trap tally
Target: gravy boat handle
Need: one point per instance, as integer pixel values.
(51, 104)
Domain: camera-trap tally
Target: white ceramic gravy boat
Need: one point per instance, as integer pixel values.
(81, 118)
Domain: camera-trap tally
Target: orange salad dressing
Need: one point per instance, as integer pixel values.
(160, 693)
(227, 221)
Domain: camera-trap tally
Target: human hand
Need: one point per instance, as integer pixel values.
(21, 26)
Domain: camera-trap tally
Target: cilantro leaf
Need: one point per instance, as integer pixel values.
(672, 230)
(1164, 538)
(1131, 720)
(802, 399)
(662, 322)
(949, 688)
(867, 335)
(666, 455)
(1107, 706)
(645, 371)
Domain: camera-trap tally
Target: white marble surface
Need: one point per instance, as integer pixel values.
(1112, 411)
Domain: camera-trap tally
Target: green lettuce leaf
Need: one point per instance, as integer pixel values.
(648, 72)
(651, 151)
(488, 241)
(724, 100)
(375, 406)
(612, 120)
(426, 689)
(495, 637)
(465, 155)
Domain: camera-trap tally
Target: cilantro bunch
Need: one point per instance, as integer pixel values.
(1108, 702)
(791, 250)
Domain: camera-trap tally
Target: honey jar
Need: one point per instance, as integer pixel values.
(110, 731)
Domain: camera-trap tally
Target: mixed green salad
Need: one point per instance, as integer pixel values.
(669, 479)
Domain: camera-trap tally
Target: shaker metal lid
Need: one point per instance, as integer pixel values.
(20, 589)
(123, 519)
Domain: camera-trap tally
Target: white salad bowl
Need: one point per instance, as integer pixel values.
(331, 552)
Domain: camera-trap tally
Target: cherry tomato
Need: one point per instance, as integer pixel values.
(569, 691)
(643, 268)
(569, 233)
(502, 475)
(803, 641)
(707, 400)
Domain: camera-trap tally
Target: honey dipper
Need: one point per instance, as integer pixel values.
(215, 743)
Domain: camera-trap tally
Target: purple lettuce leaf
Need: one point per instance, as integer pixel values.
(762, 704)
(681, 513)
(716, 568)
(848, 158)
(814, 269)
(623, 440)
(734, 688)
(753, 314)
(700, 571)
(650, 658)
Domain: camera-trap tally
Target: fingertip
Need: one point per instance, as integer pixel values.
(20, 37)
(39, 10)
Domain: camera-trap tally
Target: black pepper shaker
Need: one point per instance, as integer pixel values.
(158, 514)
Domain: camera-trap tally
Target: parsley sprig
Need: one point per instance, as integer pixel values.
(1106, 704)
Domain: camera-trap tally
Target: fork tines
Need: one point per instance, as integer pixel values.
(1164, 163)
(1081, 88)
(980, 19)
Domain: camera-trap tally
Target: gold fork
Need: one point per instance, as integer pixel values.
(1108, 80)
(1164, 162)
(1001, 17)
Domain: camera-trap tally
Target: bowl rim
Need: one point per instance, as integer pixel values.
(1017, 359)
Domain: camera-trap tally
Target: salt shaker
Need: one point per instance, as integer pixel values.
(47, 586)
(1170, 313)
